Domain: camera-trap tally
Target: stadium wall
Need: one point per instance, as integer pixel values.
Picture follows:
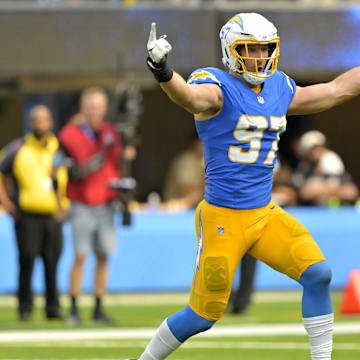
(64, 40)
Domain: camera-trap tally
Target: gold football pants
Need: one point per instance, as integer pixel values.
(224, 235)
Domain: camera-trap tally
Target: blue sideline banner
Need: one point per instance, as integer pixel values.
(157, 253)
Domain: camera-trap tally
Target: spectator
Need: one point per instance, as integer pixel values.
(94, 151)
(321, 177)
(37, 209)
(185, 181)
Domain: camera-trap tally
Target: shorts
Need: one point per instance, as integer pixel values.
(93, 228)
(224, 235)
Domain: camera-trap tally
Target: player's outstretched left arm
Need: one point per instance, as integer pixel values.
(316, 98)
(197, 99)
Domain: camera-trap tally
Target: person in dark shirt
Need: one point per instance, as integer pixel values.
(321, 177)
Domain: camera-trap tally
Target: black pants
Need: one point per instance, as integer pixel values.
(38, 235)
(242, 296)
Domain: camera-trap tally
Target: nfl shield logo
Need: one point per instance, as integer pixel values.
(260, 99)
(220, 230)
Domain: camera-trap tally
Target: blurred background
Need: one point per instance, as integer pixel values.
(52, 49)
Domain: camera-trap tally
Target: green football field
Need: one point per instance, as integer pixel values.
(270, 330)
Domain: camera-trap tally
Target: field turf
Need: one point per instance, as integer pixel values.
(133, 313)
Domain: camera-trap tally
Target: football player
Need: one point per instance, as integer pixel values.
(239, 115)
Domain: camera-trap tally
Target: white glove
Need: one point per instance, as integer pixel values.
(157, 48)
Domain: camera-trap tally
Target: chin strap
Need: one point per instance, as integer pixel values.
(248, 77)
(252, 79)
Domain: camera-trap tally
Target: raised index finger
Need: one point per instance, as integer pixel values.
(152, 36)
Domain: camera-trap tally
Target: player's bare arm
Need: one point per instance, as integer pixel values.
(316, 98)
(204, 100)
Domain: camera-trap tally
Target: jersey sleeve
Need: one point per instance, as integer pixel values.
(9, 154)
(289, 89)
(204, 76)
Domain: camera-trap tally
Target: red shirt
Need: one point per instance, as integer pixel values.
(81, 144)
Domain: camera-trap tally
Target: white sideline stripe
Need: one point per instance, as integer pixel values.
(264, 345)
(16, 336)
(193, 345)
(143, 299)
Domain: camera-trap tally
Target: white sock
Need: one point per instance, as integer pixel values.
(161, 345)
(320, 331)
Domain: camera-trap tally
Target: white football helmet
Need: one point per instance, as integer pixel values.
(247, 29)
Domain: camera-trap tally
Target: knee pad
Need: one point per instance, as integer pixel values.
(316, 297)
(216, 279)
(216, 271)
(319, 273)
(187, 323)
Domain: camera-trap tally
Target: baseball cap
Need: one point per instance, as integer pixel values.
(311, 139)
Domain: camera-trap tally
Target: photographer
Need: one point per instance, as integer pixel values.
(94, 154)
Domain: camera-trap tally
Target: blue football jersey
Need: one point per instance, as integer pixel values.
(240, 142)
